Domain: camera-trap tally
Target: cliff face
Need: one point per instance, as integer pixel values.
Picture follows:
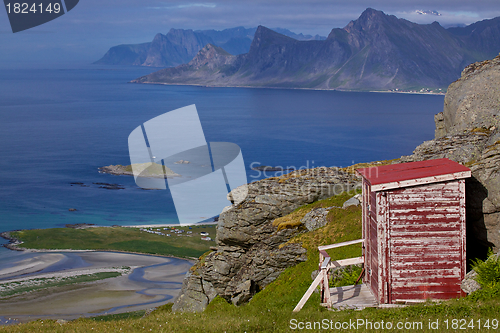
(179, 46)
(208, 62)
(250, 251)
(374, 52)
(482, 35)
(468, 131)
(133, 54)
(389, 52)
(175, 48)
(473, 101)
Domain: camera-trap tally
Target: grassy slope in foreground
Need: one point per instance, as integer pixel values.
(119, 239)
(271, 309)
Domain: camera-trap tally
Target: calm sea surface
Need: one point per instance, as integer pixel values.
(59, 126)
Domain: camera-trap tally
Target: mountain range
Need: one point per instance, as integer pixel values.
(374, 52)
(179, 46)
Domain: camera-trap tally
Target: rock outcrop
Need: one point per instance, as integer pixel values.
(468, 132)
(142, 170)
(473, 101)
(251, 252)
(316, 218)
(469, 284)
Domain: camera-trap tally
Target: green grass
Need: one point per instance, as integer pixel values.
(271, 309)
(120, 316)
(346, 277)
(15, 288)
(119, 239)
(155, 247)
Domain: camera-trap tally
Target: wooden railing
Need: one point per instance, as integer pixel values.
(325, 264)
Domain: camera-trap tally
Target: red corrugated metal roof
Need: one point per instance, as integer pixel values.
(408, 171)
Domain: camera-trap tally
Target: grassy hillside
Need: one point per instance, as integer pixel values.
(271, 309)
(182, 245)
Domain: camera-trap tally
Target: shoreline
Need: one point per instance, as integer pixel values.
(122, 170)
(292, 88)
(14, 243)
(136, 288)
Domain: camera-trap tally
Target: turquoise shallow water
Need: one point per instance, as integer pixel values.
(59, 126)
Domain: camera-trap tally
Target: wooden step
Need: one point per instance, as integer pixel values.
(352, 297)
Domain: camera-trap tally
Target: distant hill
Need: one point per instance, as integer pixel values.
(179, 46)
(374, 52)
(300, 36)
(234, 40)
(126, 54)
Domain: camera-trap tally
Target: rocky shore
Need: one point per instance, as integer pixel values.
(152, 170)
(13, 242)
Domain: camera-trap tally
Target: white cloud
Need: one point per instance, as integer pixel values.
(189, 5)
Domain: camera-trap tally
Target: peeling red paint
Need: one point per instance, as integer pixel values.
(414, 230)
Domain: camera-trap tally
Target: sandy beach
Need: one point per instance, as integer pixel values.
(151, 281)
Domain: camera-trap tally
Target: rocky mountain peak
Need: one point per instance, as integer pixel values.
(370, 19)
(264, 36)
(158, 36)
(174, 32)
(211, 56)
(210, 51)
(371, 14)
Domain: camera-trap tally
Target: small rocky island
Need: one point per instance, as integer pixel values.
(152, 170)
(270, 168)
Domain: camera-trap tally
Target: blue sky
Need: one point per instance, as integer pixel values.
(84, 34)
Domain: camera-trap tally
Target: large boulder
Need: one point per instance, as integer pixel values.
(251, 252)
(473, 101)
(467, 131)
(316, 218)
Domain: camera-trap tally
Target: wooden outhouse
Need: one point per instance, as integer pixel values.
(414, 230)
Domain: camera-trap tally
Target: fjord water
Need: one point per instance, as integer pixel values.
(58, 126)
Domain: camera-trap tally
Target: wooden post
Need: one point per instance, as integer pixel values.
(309, 292)
(322, 278)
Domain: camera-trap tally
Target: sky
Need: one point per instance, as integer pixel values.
(85, 33)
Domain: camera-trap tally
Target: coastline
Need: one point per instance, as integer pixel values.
(14, 243)
(136, 288)
(291, 88)
(148, 170)
(165, 225)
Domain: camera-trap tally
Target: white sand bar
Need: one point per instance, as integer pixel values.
(151, 281)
